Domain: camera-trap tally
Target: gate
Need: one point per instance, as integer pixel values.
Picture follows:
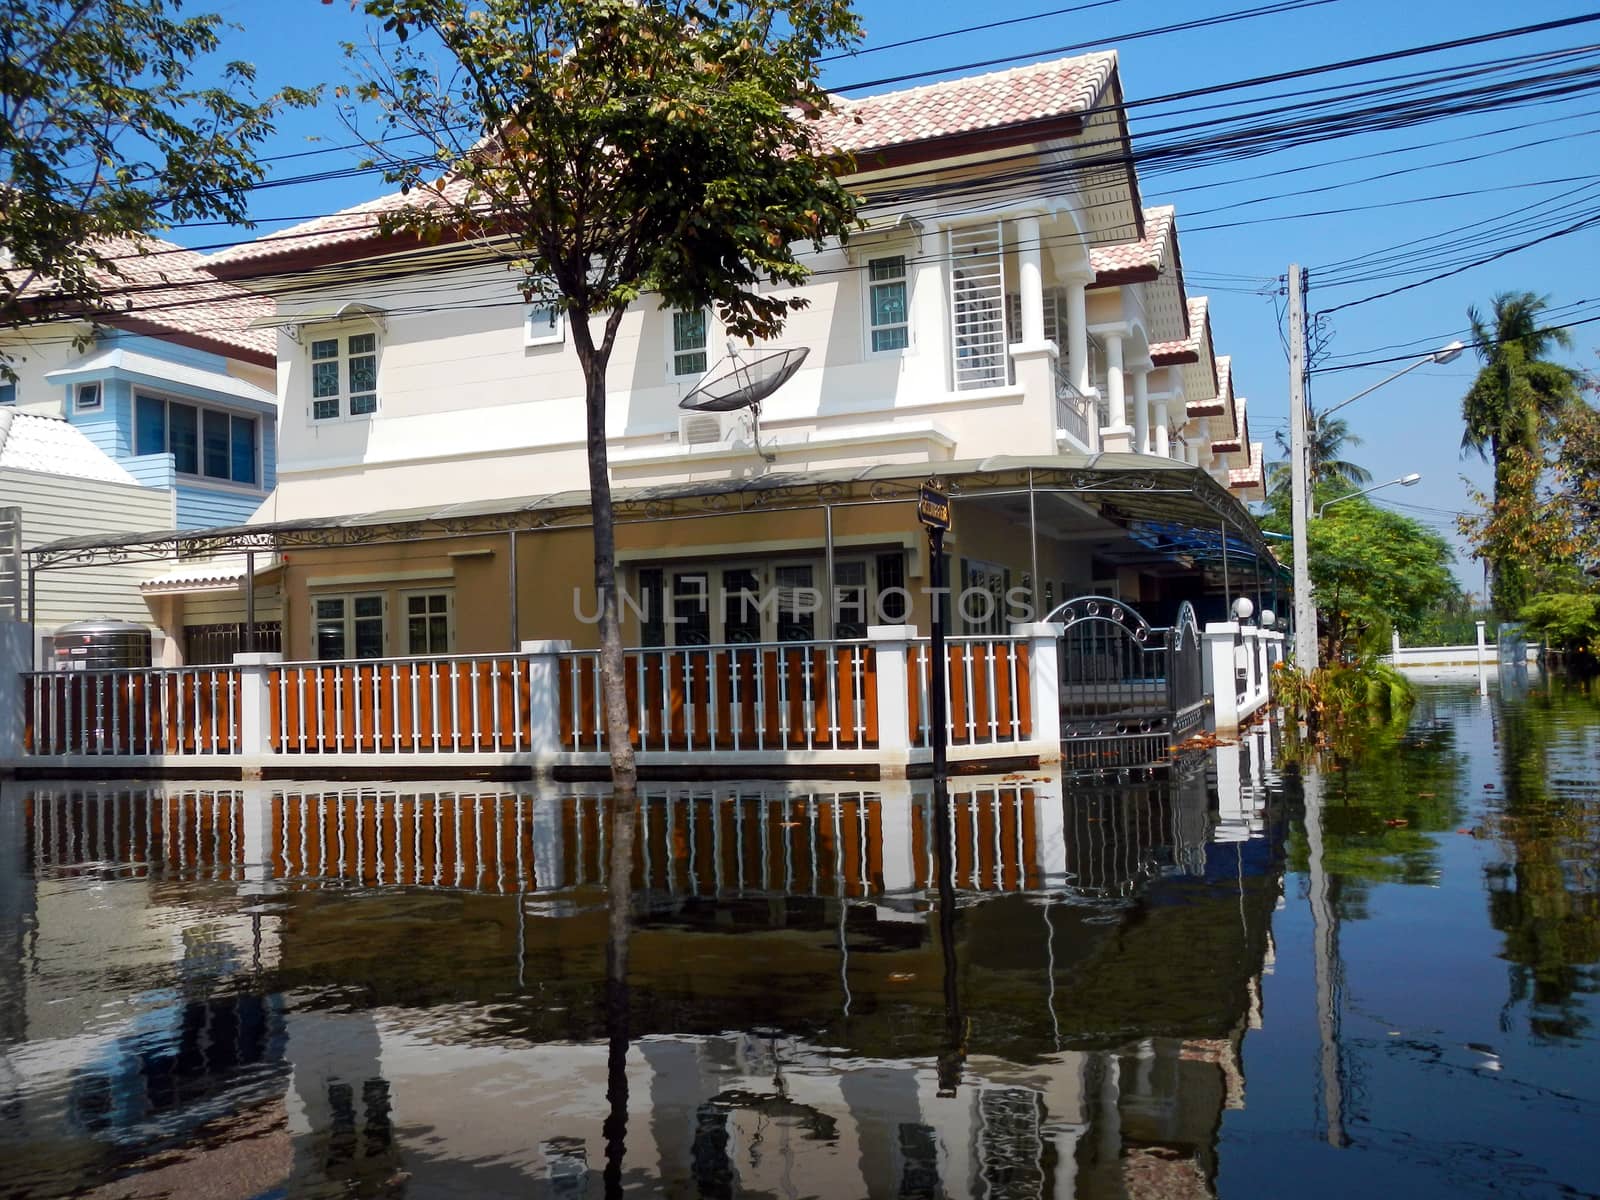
(1129, 689)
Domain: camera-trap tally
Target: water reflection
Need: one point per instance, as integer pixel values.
(730, 989)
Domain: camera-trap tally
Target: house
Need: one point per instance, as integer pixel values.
(171, 385)
(52, 477)
(1041, 319)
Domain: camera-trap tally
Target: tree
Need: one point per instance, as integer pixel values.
(1371, 569)
(104, 134)
(1326, 439)
(1512, 403)
(610, 149)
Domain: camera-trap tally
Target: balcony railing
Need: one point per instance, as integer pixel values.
(1074, 410)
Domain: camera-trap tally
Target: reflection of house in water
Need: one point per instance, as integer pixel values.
(430, 996)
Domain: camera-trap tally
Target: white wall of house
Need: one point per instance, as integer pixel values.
(31, 354)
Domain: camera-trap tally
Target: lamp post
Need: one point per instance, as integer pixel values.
(1404, 481)
(1306, 653)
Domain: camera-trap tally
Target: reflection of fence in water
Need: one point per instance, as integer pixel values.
(690, 840)
(136, 830)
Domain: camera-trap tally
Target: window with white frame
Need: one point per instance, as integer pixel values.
(543, 325)
(888, 315)
(428, 625)
(344, 376)
(208, 442)
(349, 626)
(88, 397)
(689, 335)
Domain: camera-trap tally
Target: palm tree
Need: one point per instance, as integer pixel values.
(1512, 404)
(1326, 438)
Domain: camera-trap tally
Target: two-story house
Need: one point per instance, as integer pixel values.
(1011, 318)
(170, 382)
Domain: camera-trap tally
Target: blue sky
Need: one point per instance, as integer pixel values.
(1413, 424)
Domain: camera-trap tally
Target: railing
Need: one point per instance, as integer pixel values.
(1073, 410)
(986, 680)
(143, 711)
(459, 704)
(749, 697)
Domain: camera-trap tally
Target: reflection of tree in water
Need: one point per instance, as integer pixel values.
(1546, 897)
(1382, 809)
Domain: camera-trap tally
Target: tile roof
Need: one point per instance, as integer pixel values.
(1021, 94)
(1241, 429)
(220, 573)
(1216, 406)
(1063, 87)
(1143, 256)
(1187, 350)
(160, 287)
(1246, 478)
(52, 446)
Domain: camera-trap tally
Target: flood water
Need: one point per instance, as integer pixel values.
(1377, 978)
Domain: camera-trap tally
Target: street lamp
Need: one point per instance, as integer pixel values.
(1403, 481)
(1305, 611)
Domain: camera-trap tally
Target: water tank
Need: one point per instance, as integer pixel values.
(100, 645)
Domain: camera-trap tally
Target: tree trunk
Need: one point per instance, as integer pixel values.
(613, 688)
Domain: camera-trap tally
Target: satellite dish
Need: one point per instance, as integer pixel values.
(744, 381)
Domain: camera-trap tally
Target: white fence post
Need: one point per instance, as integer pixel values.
(255, 707)
(16, 657)
(1044, 684)
(1394, 646)
(544, 697)
(1220, 638)
(891, 643)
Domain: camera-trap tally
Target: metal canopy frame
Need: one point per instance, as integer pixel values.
(1127, 487)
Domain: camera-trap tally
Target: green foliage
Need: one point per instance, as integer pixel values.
(1568, 621)
(1513, 404)
(1336, 697)
(104, 133)
(1372, 570)
(1326, 439)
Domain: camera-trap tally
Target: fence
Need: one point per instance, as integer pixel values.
(986, 682)
(461, 704)
(140, 712)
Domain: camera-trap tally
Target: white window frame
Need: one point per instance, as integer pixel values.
(543, 325)
(200, 446)
(868, 283)
(342, 334)
(449, 597)
(673, 353)
(349, 618)
(97, 388)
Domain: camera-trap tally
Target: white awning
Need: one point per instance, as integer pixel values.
(322, 314)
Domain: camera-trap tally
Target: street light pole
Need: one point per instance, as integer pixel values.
(1305, 609)
(1403, 481)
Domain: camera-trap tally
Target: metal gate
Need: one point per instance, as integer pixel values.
(1129, 690)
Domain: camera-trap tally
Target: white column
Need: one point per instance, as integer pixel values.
(1483, 675)
(16, 659)
(1162, 446)
(1116, 435)
(1030, 269)
(894, 698)
(544, 698)
(1141, 409)
(1394, 646)
(1077, 335)
(255, 707)
(1220, 638)
(1044, 685)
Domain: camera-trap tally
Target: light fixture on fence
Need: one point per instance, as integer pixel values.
(1268, 618)
(1243, 607)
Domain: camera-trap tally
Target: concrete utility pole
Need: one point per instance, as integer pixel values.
(1305, 608)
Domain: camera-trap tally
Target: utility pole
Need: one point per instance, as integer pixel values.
(1305, 608)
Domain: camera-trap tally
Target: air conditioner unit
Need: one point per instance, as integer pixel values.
(700, 429)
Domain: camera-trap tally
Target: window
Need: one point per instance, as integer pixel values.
(886, 303)
(349, 626)
(691, 609)
(428, 623)
(8, 393)
(88, 397)
(202, 441)
(544, 325)
(344, 376)
(689, 343)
